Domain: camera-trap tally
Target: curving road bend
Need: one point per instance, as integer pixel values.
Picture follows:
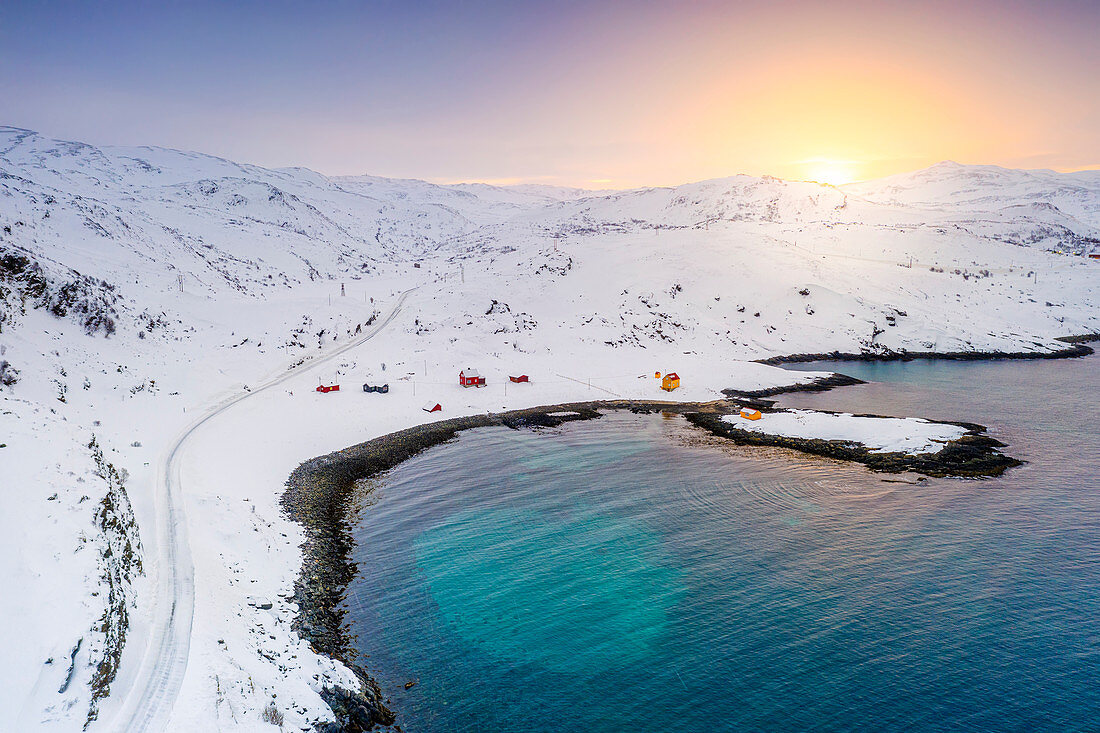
(147, 705)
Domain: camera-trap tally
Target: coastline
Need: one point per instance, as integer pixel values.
(320, 497)
(820, 384)
(1076, 349)
(974, 455)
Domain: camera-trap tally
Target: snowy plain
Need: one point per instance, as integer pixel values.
(143, 289)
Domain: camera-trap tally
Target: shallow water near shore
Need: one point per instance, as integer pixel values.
(635, 573)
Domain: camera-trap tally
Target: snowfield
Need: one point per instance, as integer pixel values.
(877, 434)
(146, 292)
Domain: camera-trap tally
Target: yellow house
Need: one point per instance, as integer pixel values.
(670, 382)
(750, 413)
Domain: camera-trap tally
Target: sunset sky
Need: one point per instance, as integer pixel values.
(593, 94)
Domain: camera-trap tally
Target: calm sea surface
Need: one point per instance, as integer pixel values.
(634, 573)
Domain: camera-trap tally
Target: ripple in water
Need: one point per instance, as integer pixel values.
(584, 590)
(634, 573)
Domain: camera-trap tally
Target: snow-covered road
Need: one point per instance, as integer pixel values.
(147, 704)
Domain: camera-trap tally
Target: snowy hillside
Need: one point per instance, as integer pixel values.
(982, 187)
(1056, 211)
(166, 316)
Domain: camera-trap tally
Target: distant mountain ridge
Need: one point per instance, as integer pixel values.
(989, 187)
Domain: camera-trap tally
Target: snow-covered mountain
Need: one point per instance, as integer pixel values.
(980, 187)
(141, 286)
(1056, 211)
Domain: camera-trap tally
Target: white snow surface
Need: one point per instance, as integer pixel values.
(877, 434)
(221, 278)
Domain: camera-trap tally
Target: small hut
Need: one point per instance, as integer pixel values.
(670, 381)
(433, 407)
(471, 378)
(750, 413)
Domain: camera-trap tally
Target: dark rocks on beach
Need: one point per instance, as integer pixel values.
(820, 384)
(355, 711)
(546, 420)
(320, 497)
(1077, 348)
(1083, 338)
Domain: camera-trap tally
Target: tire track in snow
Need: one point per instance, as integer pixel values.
(148, 704)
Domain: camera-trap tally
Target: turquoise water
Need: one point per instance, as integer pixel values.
(523, 576)
(632, 573)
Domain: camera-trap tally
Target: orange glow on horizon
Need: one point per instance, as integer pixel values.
(800, 91)
(600, 94)
(842, 121)
(833, 172)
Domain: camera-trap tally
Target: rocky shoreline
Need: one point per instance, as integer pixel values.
(974, 455)
(320, 498)
(1083, 338)
(819, 384)
(1075, 349)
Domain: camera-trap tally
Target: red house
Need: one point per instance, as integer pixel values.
(520, 378)
(470, 378)
(328, 388)
(433, 407)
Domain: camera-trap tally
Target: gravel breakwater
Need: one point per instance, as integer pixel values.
(321, 496)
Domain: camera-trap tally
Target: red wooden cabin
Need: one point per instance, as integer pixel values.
(520, 378)
(471, 378)
(328, 388)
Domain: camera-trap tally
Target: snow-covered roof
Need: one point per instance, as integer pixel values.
(468, 372)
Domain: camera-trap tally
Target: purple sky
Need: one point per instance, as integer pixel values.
(579, 93)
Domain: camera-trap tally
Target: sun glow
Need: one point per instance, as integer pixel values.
(833, 172)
